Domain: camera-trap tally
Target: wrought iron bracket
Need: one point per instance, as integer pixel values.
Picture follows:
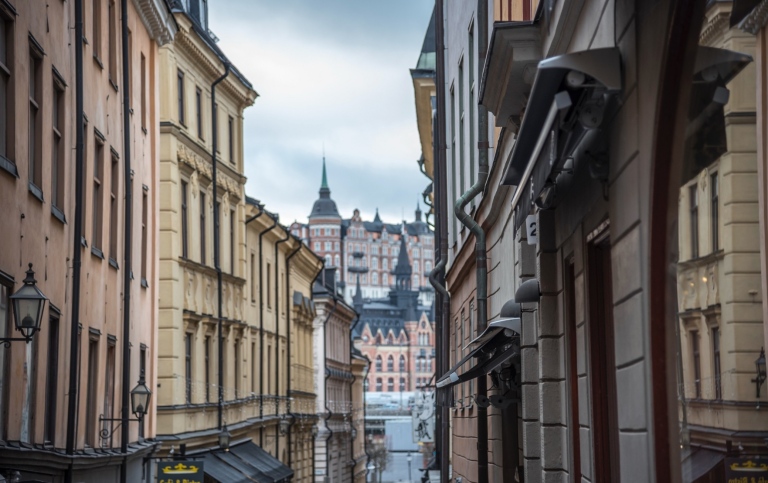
(106, 433)
(7, 341)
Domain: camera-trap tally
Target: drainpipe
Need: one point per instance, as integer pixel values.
(277, 330)
(351, 413)
(288, 324)
(217, 235)
(437, 277)
(365, 440)
(481, 260)
(127, 246)
(328, 412)
(261, 328)
(76, 245)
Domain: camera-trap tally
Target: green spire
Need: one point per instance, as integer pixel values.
(324, 184)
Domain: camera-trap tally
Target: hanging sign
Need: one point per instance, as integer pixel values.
(180, 471)
(531, 229)
(746, 469)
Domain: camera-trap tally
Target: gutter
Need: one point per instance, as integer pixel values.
(217, 236)
(277, 329)
(127, 246)
(328, 412)
(261, 328)
(288, 324)
(365, 440)
(352, 412)
(77, 248)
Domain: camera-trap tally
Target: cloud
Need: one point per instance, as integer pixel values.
(334, 74)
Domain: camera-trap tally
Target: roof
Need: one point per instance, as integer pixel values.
(427, 60)
(324, 206)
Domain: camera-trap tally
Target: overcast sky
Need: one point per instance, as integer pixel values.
(333, 73)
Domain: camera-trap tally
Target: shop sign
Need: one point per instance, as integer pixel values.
(180, 471)
(746, 469)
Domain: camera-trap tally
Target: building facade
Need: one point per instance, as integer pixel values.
(336, 458)
(368, 248)
(51, 415)
(608, 135)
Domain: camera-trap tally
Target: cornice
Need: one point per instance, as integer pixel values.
(201, 166)
(715, 25)
(756, 20)
(157, 19)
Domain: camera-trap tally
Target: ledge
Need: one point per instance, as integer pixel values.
(97, 253)
(58, 214)
(36, 192)
(8, 166)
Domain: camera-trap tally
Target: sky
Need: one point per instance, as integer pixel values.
(331, 75)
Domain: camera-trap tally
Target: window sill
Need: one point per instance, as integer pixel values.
(144, 282)
(97, 253)
(8, 166)
(114, 86)
(36, 192)
(83, 241)
(98, 61)
(113, 263)
(58, 214)
(144, 130)
(85, 40)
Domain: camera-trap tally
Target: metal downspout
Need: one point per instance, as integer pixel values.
(328, 412)
(216, 238)
(288, 324)
(277, 332)
(261, 328)
(351, 413)
(127, 246)
(481, 256)
(365, 440)
(77, 248)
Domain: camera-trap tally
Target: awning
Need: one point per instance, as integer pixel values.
(246, 463)
(740, 10)
(698, 462)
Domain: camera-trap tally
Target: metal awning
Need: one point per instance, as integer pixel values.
(698, 462)
(246, 463)
(511, 323)
(602, 66)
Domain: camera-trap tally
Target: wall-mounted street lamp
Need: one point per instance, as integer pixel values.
(140, 396)
(224, 438)
(315, 431)
(284, 425)
(28, 304)
(760, 366)
(353, 432)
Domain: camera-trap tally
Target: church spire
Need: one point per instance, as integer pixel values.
(418, 210)
(324, 184)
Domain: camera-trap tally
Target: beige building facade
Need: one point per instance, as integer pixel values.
(38, 165)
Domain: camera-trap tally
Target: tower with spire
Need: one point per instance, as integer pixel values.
(325, 225)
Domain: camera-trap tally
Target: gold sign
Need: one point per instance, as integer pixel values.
(180, 472)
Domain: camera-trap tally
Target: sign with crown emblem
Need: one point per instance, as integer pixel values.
(180, 471)
(746, 469)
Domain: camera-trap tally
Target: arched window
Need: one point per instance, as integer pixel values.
(390, 385)
(378, 384)
(385, 280)
(416, 266)
(375, 278)
(415, 283)
(367, 385)
(378, 364)
(402, 363)
(327, 260)
(384, 264)
(402, 384)
(391, 364)
(336, 246)
(374, 263)
(337, 260)
(427, 267)
(415, 252)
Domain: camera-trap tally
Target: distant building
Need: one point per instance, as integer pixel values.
(367, 248)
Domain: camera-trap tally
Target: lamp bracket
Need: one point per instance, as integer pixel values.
(7, 341)
(106, 433)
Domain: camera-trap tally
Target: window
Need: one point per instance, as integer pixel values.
(35, 119)
(696, 363)
(385, 280)
(415, 253)
(402, 363)
(254, 368)
(378, 363)
(232, 254)
(98, 196)
(113, 53)
(269, 369)
(328, 246)
(6, 93)
(143, 92)
(415, 266)
(96, 18)
(109, 382)
(385, 264)
(231, 137)
(184, 223)
(715, 212)
(461, 166)
(199, 111)
(28, 409)
(253, 278)
(6, 330)
(453, 196)
(58, 168)
(52, 376)
(144, 235)
(188, 367)
(237, 369)
(93, 384)
(378, 384)
(374, 263)
(337, 261)
(207, 368)
(269, 284)
(180, 93)
(113, 207)
(427, 267)
(693, 196)
(402, 384)
(317, 246)
(472, 335)
(202, 227)
(716, 362)
(390, 385)
(215, 133)
(471, 106)
(374, 278)
(390, 364)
